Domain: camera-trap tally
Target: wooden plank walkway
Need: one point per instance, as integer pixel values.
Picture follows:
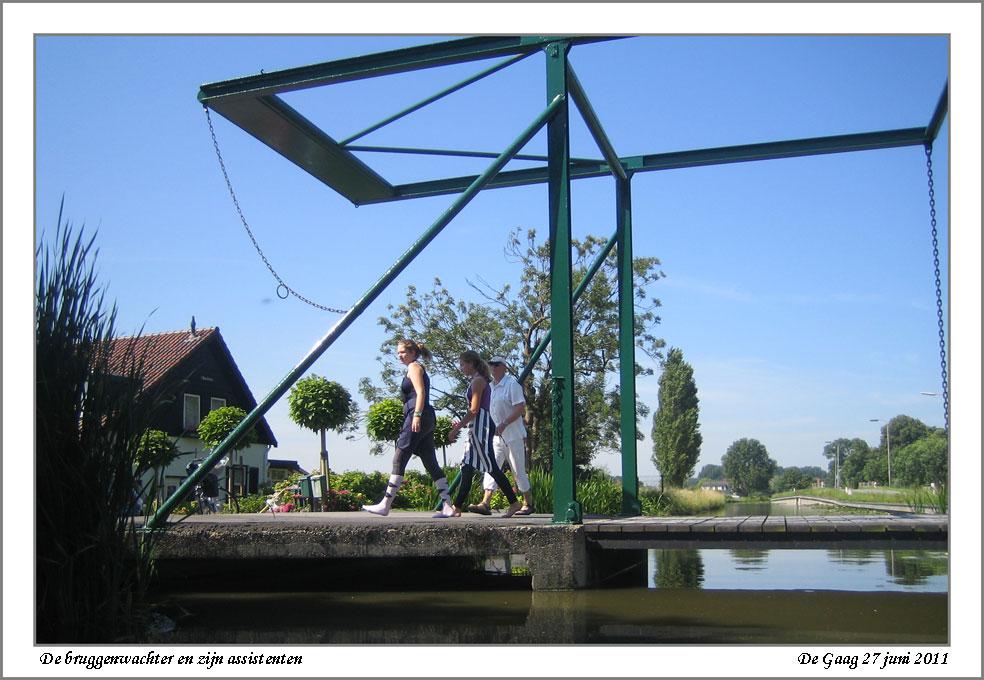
(926, 531)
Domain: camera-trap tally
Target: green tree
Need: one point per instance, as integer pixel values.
(711, 471)
(904, 431)
(512, 321)
(676, 431)
(844, 447)
(155, 451)
(790, 479)
(748, 466)
(922, 462)
(442, 430)
(219, 424)
(318, 404)
(853, 464)
(384, 420)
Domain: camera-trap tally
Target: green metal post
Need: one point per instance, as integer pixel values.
(566, 508)
(556, 104)
(542, 346)
(626, 349)
(581, 287)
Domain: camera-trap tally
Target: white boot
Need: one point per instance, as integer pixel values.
(447, 509)
(383, 507)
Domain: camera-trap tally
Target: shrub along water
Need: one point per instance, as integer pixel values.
(91, 564)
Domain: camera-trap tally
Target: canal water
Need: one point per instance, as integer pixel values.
(690, 596)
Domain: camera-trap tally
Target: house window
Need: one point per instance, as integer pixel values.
(192, 411)
(215, 403)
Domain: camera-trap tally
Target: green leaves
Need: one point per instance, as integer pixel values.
(748, 466)
(154, 450)
(676, 431)
(384, 420)
(511, 318)
(316, 403)
(219, 424)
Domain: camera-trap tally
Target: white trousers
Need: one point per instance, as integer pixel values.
(515, 449)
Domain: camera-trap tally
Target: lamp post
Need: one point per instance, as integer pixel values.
(888, 443)
(837, 466)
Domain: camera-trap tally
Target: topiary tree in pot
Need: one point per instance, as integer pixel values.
(219, 424)
(385, 420)
(319, 404)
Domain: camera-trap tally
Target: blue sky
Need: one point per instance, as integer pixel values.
(800, 290)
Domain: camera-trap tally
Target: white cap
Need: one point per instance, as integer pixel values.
(499, 360)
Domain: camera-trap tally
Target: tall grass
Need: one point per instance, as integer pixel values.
(91, 565)
(918, 499)
(681, 502)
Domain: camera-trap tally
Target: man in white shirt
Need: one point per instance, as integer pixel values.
(507, 407)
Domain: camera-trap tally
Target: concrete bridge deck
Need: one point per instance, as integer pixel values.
(559, 556)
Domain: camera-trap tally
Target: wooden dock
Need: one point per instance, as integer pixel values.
(771, 531)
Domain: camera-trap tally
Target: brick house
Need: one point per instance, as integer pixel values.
(187, 374)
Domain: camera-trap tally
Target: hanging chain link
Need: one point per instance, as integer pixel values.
(939, 289)
(287, 290)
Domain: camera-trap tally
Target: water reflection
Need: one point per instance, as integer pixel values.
(682, 568)
(617, 616)
(851, 570)
(694, 596)
(750, 559)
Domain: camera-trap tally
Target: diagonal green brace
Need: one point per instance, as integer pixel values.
(350, 316)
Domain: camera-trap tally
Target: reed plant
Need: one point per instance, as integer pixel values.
(92, 565)
(598, 493)
(920, 498)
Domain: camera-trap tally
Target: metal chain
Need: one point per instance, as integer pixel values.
(939, 290)
(283, 286)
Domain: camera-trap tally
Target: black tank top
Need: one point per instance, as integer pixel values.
(410, 394)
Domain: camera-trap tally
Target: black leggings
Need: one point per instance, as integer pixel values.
(465, 482)
(427, 455)
(420, 444)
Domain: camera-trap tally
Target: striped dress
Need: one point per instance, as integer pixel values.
(480, 454)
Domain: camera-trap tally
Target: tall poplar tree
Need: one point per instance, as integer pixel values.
(676, 432)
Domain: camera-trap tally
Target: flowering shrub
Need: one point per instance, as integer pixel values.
(344, 501)
(417, 492)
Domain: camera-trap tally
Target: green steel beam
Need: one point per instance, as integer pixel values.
(435, 97)
(566, 508)
(458, 152)
(626, 349)
(580, 99)
(286, 131)
(552, 109)
(939, 114)
(683, 159)
(581, 287)
(379, 64)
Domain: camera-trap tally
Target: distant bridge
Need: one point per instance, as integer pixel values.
(893, 508)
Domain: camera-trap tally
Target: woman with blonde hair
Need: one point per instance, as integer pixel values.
(417, 436)
(479, 455)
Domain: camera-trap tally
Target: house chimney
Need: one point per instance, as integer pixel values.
(192, 326)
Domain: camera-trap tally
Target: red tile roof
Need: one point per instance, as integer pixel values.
(161, 352)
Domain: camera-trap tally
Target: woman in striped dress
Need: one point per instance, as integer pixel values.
(480, 455)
